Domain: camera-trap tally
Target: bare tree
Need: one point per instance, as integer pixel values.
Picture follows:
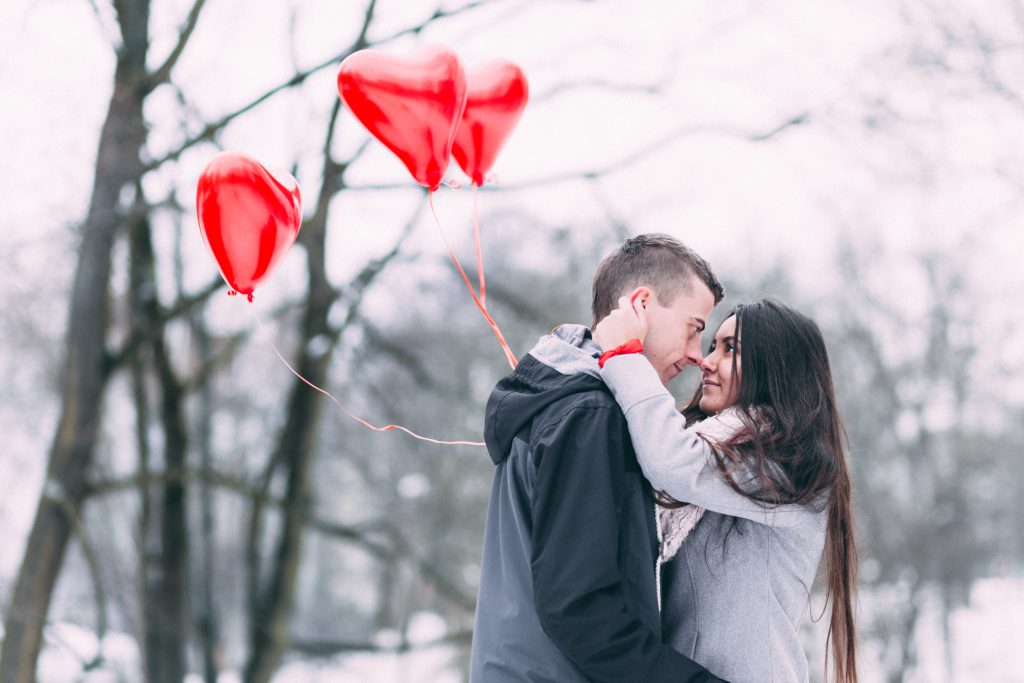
(118, 167)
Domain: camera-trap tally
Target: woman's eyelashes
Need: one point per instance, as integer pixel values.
(730, 347)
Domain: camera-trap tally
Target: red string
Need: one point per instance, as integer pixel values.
(479, 256)
(469, 285)
(360, 420)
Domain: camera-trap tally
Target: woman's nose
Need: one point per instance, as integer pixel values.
(706, 364)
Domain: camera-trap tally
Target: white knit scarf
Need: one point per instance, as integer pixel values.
(675, 524)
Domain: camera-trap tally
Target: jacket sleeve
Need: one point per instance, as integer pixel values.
(578, 592)
(678, 460)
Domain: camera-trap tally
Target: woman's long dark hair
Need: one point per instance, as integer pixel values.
(794, 444)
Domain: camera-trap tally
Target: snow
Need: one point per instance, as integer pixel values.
(986, 635)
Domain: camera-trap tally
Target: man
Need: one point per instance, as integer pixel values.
(567, 587)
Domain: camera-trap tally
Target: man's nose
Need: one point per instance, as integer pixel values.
(693, 356)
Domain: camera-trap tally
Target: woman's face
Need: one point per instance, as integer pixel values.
(721, 385)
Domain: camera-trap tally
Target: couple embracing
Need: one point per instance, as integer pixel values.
(627, 540)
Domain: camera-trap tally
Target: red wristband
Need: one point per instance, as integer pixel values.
(632, 346)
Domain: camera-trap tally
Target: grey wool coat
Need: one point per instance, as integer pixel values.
(734, 595)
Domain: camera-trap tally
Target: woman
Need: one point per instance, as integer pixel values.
(760, 451)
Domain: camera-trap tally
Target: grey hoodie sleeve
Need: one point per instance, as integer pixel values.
(677, 460)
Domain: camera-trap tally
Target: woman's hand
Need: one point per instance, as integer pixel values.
(628, 321)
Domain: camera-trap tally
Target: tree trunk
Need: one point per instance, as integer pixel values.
(271, 604)
(167, 661)
(84, 377)
(165, 584)
(295, 450)
(207, 622)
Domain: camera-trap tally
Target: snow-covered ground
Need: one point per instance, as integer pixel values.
(987, 637)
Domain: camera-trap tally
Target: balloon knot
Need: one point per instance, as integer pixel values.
(249, 296)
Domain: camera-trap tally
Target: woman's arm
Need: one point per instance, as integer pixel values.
(677, 460)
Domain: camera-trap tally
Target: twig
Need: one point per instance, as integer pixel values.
(628, 160)
(55, 493)
(360, 42)
(328, 648)
(163, 72)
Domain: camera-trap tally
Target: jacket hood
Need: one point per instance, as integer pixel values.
(560, 364)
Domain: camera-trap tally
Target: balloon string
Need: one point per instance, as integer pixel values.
(479, 256)
(338, 403)
(511, 357)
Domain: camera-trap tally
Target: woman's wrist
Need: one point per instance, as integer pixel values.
(631, 346)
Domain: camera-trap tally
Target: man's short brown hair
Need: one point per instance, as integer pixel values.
(655, 260)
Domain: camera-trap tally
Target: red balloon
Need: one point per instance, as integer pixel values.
(248, 218)
(497, 97)
(411, 103)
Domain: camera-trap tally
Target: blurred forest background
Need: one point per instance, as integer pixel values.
(178, 506)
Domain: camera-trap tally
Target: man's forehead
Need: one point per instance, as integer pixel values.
(699, 301)
(693, 311)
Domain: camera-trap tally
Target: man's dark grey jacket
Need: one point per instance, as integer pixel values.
(567, 587)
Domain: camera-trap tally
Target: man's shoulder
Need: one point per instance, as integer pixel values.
(588, 406)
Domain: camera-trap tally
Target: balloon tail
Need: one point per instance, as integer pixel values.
(386, 428)
(479, 257)
(469, 285)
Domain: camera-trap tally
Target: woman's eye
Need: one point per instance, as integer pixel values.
(729, 348)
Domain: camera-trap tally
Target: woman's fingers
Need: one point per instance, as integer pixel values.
(640, 311)
(622, 324)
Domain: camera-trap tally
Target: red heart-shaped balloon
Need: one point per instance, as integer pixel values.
(497, 96)
(410, 103)
(248, 218)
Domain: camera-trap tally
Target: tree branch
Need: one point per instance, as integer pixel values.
(181, 306)
(329, 648)
(361, 535)
(104, 28)
(658, 144)
(381, 343)
(600, 83)
(623, 162)
(163, 72)
(356, 289)
(55, 493)
(359, 43)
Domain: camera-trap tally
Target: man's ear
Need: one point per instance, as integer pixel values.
(642, 294)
